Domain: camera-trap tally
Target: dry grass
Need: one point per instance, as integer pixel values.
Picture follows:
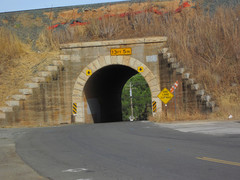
(14, 77)
(11, 48)
(209, 45)
(10, 45)
(212, 51)
(46, 41)
(18, 63)
(111, 25)
(180, 116)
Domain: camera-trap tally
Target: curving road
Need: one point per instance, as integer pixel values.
(129, 151)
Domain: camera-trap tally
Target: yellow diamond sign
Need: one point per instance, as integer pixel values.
(165, 95)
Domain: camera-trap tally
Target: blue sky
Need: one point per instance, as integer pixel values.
(19, 5)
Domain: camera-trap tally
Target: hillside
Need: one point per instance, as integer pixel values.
(204, 36)
(29, 24)
(35, 36)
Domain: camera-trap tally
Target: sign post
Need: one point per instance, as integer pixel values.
(165, 109)
(165, 96)
(130, 91)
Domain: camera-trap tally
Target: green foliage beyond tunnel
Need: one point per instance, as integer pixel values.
(141, 99)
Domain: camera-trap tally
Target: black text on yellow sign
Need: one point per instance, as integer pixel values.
(74, 108)
(121, 51)
(154, 106)
(165, 95)
(89, 72)
(140, 69)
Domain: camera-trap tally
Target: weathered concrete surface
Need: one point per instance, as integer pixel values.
(217, 128)
(11, 165)
(44, 102)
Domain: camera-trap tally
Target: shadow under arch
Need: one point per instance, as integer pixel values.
(99, 95)
(103, 92)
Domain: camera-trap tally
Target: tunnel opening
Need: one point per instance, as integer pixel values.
(103, 91)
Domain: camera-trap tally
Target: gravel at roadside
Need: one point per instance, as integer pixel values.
(12, 166)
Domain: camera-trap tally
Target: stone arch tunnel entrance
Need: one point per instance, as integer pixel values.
(96, 76)
(103, 93)
(98, 94)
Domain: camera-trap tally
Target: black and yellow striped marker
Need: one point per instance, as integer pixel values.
(154, 106)
(74, 108)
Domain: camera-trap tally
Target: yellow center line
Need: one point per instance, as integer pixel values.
(219, 161)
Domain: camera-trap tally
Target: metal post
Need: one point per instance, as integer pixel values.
(175, 105)
(131, 100)
(166, 111)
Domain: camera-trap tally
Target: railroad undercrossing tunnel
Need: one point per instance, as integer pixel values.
(103, 93)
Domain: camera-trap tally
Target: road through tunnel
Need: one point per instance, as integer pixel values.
(103, 93)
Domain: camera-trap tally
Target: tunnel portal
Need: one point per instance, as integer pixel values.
(96, 76)
(103, 93)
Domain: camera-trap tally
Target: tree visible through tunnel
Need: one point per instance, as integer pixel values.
(141, 99)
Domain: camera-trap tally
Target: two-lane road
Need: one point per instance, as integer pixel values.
(129, 150)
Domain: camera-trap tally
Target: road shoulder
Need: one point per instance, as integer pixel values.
(12, 166)
(217, 128)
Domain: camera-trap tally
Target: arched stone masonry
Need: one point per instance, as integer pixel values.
(102, 61)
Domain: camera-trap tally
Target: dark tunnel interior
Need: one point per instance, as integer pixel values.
(103, 92)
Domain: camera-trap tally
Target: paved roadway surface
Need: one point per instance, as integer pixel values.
(130, 151)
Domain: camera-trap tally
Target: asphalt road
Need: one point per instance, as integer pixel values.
(132, 150)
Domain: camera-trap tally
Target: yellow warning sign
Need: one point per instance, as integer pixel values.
(140, 69)
(74, 108)
(89, 72)
(165, 95)
(121, 51)
(154, 106)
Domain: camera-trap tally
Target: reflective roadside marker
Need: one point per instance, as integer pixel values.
(89, 72)
(140, 69)
(154, 106)
(174, 87)
(74, 108)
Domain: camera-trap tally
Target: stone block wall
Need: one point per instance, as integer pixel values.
(96, 55)
(45, 100)
(48, 98)
(189, 97)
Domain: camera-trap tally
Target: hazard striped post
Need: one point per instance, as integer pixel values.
(154, 106)
(172, 90)
(174, 87)
(74, 109)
